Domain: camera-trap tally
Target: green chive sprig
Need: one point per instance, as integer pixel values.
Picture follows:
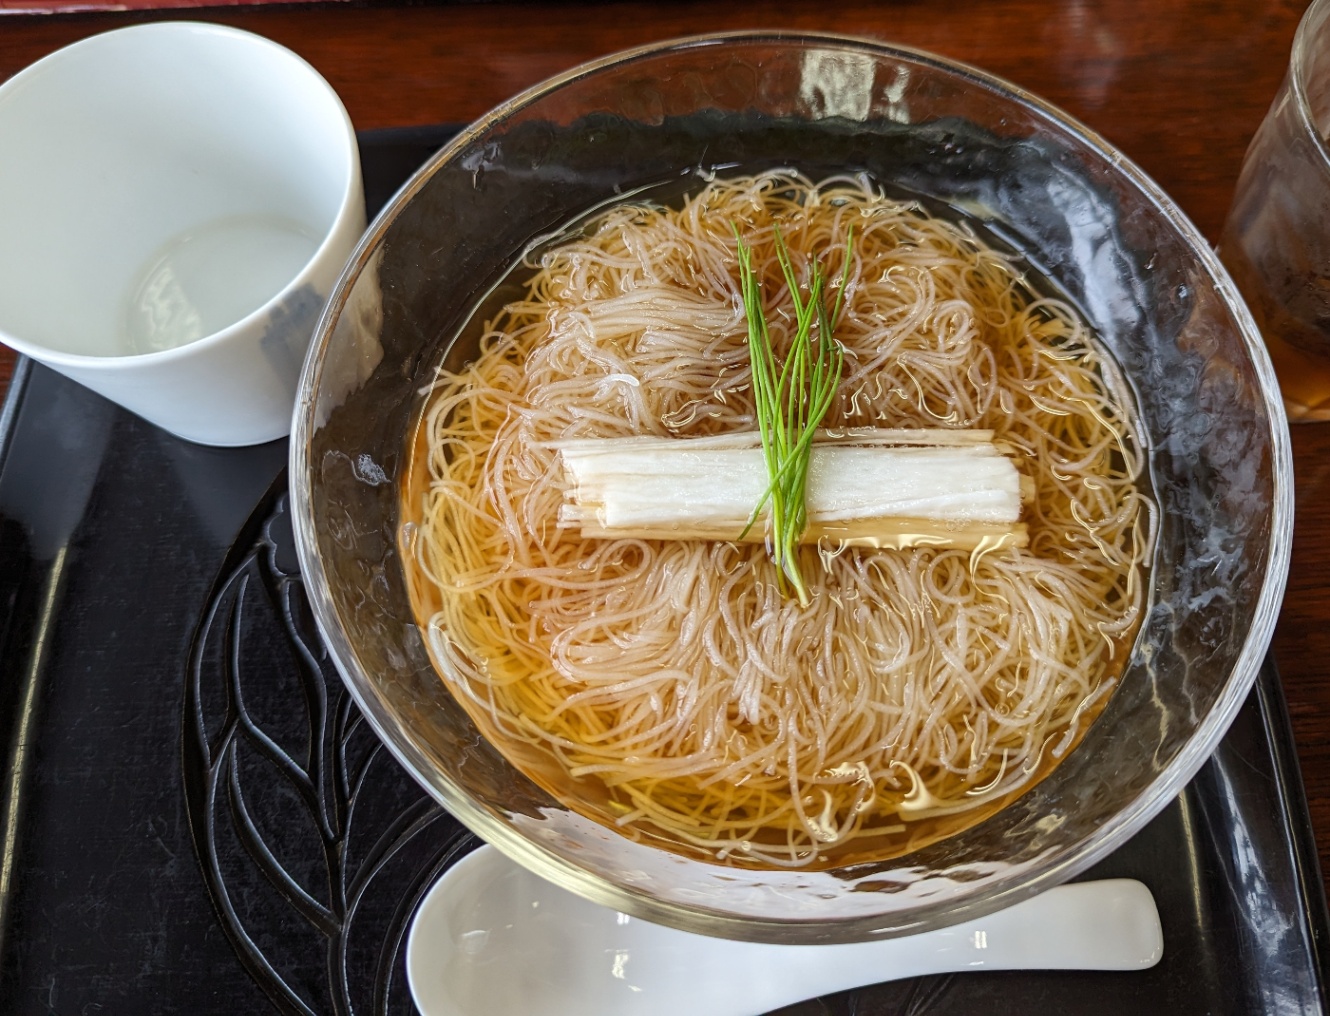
(792, 397)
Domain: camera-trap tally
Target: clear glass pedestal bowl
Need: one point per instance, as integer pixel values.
(1218, 443)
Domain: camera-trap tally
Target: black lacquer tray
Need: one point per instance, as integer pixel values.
(195, 819)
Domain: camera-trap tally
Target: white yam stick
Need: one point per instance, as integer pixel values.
(879, 488)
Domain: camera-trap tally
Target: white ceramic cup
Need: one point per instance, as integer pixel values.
(176, 202)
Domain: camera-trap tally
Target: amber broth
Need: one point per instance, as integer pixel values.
(591, 798)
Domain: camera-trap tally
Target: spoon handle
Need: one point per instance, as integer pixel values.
(1105, 925)
(1111, 924)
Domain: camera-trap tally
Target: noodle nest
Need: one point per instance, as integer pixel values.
(670, 688)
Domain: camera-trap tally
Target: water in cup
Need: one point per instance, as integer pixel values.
(210, 277)
(1291, 305)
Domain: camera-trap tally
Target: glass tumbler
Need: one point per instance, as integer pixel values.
(1276, 241)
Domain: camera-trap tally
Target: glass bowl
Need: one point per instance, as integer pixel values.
(1077, 209)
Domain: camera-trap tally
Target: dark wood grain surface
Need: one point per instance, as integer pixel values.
(1178, 85)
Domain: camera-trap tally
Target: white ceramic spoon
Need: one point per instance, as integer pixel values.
(491, 939)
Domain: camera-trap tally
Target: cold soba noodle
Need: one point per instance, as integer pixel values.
(674, 686)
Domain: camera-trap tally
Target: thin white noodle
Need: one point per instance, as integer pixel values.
(705, 703)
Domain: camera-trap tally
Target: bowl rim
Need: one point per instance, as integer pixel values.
(1006, 890)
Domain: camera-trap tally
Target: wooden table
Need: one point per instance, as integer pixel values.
(1178, 85)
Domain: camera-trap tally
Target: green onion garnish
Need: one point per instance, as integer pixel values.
(792, 398)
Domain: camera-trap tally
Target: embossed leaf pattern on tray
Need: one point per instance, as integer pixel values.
(316, 847)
